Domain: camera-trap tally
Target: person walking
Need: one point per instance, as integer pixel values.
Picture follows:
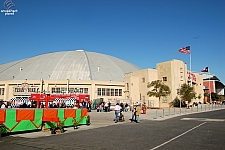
(133, 110)
(138, 112)
(109, 104)
(144, 108)
(117, 111)
(95, 104)
(106, 107)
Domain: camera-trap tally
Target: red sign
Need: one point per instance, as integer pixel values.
(191, 76)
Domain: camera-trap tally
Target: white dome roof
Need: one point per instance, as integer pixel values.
(72, 65)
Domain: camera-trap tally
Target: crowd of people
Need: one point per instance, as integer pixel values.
(136, 108)
(54, 104)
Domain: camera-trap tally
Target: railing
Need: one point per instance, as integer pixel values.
(170, 112)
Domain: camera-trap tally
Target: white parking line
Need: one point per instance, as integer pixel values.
(203, 119)
(178, 136)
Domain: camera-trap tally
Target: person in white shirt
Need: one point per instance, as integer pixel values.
(3, 106)
(106, 107)
(117, 111)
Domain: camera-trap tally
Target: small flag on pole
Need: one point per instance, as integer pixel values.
(185, 50)
(205, 69)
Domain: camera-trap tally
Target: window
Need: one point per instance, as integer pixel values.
(63, 90)
(107, 92)
(71, 90)
(81, 90)
(120, 92)
(99, 92)
(57, 90)
(181, 70)
(86, 90)
(127, 86)
(2, 91)
(112, 92)
(164, 100)
(143, 80)
(116, 92)
(76, 90)
(53, 90)
(103, 91)
(164, 78)
(181, 78)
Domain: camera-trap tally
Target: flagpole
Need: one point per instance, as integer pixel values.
(209, 86)
(190, 68)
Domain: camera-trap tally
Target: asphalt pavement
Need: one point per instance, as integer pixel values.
(157, 130)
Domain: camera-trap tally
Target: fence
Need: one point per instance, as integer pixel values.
(170, 112)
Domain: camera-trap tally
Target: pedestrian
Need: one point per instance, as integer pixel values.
(95, 104)
(138, 112)
(98, 108)
(106, 107)
(109, 104)
(122, 106)
(126, 107)
(3, 106)
(133, 110)
(117, 110)
(144, 108)
(102, 106)
(89, 106)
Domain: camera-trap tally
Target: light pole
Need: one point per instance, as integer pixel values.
(179, 97)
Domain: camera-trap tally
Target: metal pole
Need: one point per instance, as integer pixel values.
(180, 99)
(169, 112)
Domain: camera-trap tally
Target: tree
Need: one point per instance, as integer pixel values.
(199, 96)
(159, 89)
(207, 97)
(215, 96)
(187, 92)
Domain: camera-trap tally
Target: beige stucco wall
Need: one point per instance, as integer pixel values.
(175, 72)
(137, 82)
(198, 88)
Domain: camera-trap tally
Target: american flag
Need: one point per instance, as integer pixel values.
(185, 50)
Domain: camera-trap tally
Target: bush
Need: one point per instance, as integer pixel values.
(176, 103)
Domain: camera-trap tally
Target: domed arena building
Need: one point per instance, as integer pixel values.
(65, 72)
(102, 77)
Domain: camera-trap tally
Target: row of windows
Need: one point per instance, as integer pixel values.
(109, 92)
(71, 90)
(2, 91)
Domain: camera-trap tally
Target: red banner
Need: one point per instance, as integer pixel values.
(24, 115)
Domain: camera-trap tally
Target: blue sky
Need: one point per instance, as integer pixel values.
(142, 32)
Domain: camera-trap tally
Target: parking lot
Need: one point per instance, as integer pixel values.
(203, 130)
